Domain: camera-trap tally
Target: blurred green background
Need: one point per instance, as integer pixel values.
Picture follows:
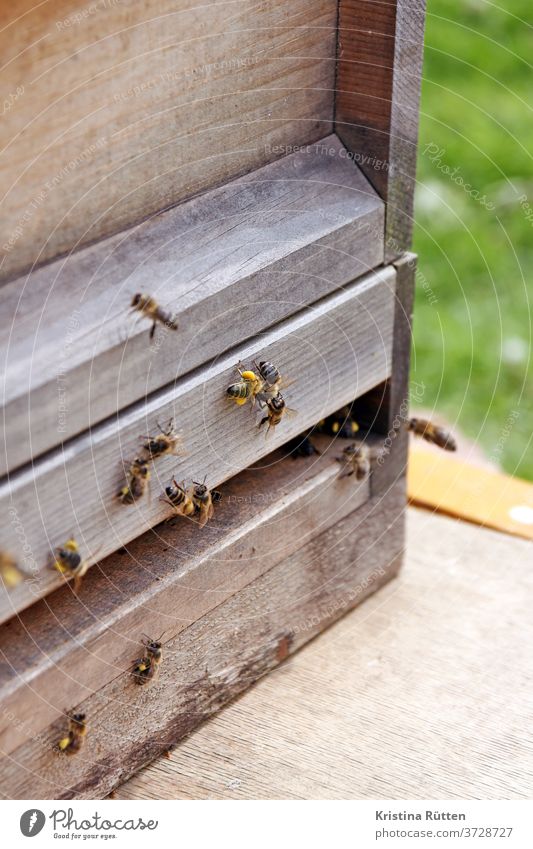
(472, 331)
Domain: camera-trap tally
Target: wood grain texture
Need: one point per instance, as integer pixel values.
(380, 48)
(334, 351)
(168, 578)
(119, 109)
(216, 658)
(385, 409)
(228, 264)
(423, 692)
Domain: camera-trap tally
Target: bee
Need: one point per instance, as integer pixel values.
(149, 307)
(9, 571)
(356, 461)
(204, 499)
(249, 386)
(139, 479)
(179, 499)
(276, 409)
(68, 561)
(166, 442)
(339, 424)
(432, 433)
(77, 730)
(146, 668)
(273, 382)
(301, 446)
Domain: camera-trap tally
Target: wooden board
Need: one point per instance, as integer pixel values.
(380, 48)
(117, 110)
(216, 658)
(228, 264)
(168, 578)
(484, 496)
(334, 351)
(423, 692)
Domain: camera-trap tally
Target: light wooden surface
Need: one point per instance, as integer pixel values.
(424, 691)
(228, 265)
(217, 657)
(380, 49)
(126, 107)
(334, 352)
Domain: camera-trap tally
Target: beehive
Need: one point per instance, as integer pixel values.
(252, 168)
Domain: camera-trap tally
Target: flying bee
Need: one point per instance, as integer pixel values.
(356, 461)
(248, 387)
(146, 668)
(139, 479)
(204, 500)
(9, 571)
(276, 409)
(149, 307)
(166, 442)
(432, 433)
(77, 730)
(179, 499)
(68, 561)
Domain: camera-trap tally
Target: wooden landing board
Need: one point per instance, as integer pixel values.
(380, 48)
(116, 110)
(334, 352)
(229, 265)
(454, 486)
(216, 658)
(66, 648)
(441, 652)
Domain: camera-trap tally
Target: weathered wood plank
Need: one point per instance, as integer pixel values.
(229, 264)
(380, 48)
(167, 579)
(216, 658)
(119, 109)
(430, 658)
(334, 351)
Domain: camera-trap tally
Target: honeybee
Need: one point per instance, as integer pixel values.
(146, 668)
(149, 307)
(166, 442)
(276, 409)
(247, 387)
(204, 499)
(139, 479)
(356, 461)
(68, 561)
(9, 571)
(273, 382)
(77, 731)
(301, 446)
(339, 424)
(432, 433)
(178, 498)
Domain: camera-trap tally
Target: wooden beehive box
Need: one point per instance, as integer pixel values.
(251, 166)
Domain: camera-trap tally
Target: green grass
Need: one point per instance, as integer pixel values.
(472, 347)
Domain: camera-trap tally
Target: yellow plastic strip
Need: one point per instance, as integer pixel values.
(444, 483)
